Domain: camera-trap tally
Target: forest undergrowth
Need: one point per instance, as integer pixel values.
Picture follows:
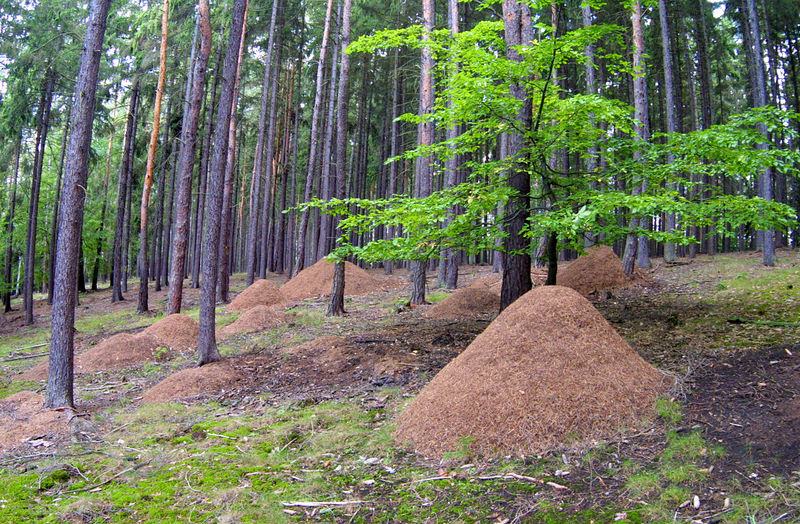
(290, 446)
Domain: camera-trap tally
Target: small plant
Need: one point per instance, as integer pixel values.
(464, 453)
(161, 354)
(669, 410)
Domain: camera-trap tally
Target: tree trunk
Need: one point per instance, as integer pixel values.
(123, 185)
(226, 218)
(258, 161)
(42, 126)
(314, 138)
(54, 231)
(60, 377)
(191, 121)
(99, 253)
(517, 258)
(633, 245)
(670, 248)
(336, 304)
(425, 137)
(10, 225)
(759, 100)
(144, 266)
(207, 345)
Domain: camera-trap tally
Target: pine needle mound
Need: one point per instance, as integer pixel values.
(120, 351)
(599, 269)
(176, 331)
(466, 302)
(210, 379)
(23, 418)
(262, 292)
(257, 318)
(548, 371)
(317, 280)
(492, 284)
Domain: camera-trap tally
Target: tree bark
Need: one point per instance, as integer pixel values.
(54, 232)
(42, 127)
(144, 266)
(207, 345)
(670, 248)
(516, 253)
(60, 377)
(314, 138)
(98, 255)
(122, 188)
(425, 137)
(12, 206)
(336, 304)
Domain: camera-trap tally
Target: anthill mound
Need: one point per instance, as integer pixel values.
(257, 318)
(23, 418)
(175, 331)
(466, 302)
(210, 379)
(317, 280)
(260, 293)
(118, 352)
(491, 284)
(599, 269)
(548, 368)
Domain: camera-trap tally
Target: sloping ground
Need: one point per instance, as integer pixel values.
(599, 269)
(466, 302)
(260, 293)
(22, 418)
(257, 318)
(210, 379)
(176, 331)
(547, 369)
(317, 280)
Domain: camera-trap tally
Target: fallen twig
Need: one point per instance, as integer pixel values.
(26, 357)
(95, 486)
(301, 504)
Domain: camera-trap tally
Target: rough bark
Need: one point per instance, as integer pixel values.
(12, 206)
(207, 345)
(191, 121)
(670, 249)
(516, 252)
(336, 304)
(60, 377)
(313, 142)
(42, 127)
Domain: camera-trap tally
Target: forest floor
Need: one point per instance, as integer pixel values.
(304, 432)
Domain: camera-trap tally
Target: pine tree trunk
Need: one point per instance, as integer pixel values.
(191, 121)
(670, 248)
(336, 304)
(313, 142)
(634, 246)
(122, 198)
(207, 345)
(425, 137)
(12, 206)
(42, 127)
(759, 100)
(144, 266)
(226, 218)
(98, 255)
(54, 229)
(517, 259)
(60, 377)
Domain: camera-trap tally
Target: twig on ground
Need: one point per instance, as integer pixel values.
(312, 504)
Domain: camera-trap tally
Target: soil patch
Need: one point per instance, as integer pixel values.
(466, 302)
(177, 331)
(317, 280)
(750, 404)
(598, 270)
(549, 371)
(257, 318)
(23, 418)
(261, 293)
(210, 379)
(491, 284)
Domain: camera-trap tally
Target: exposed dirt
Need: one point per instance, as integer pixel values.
(177, 331)
(750, 404)
(210, 379)
(24, 419)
